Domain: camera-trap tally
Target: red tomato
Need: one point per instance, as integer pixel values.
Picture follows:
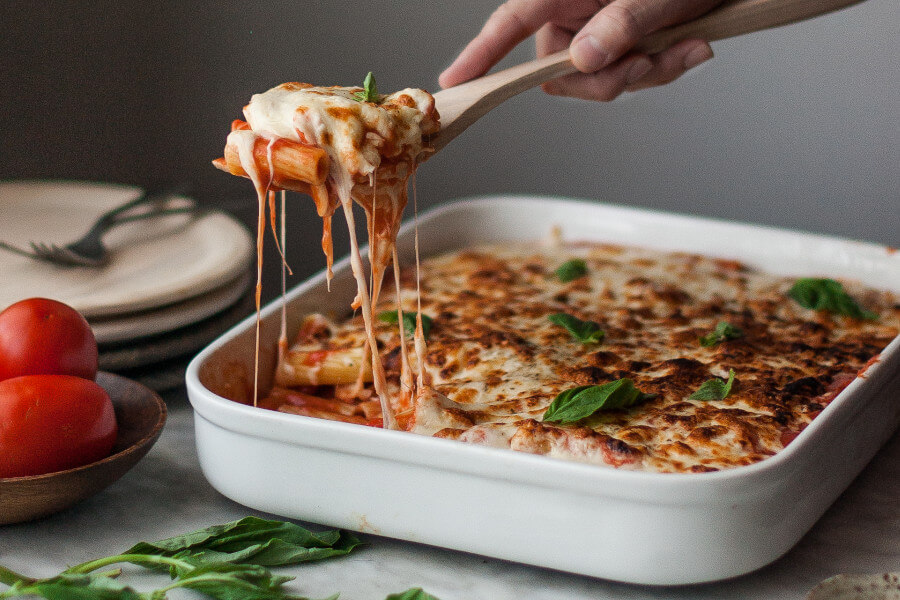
(45, 337)
(53, 422)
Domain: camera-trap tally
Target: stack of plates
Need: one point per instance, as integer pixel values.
(173, 284)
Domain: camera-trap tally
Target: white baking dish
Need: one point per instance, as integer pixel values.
(628, 526)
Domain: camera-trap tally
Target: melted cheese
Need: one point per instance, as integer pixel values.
(357, 135)
(373, 148)
(494, 361)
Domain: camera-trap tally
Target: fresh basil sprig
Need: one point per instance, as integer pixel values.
(227, 581)
(714, 389)
(571, 270)
(586, 332)
(724, 331)
(227, 562)
(370, 90)
(409, 321)
(580, 402)
(254, 541)
(829, 295)
(412, 594)
(73, 587)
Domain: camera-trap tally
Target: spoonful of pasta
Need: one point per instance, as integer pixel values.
(460, 106)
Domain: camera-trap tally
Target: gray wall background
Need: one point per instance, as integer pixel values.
(797, 127)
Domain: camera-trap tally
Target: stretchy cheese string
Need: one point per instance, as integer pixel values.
(325, 209)
(370, 229)
(406, 381)
(420, 334)
(370, 221)
(245, 146)
(356, 266)
(405, 377)
(272, 212)
(248, 161)
(282, 338)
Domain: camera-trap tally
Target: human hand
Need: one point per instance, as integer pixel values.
(599, 34)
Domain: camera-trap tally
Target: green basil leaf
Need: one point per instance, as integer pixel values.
(586, 332)
(571, 270)
(370, 90)
(714, 389)
(67, 586)
(412, 594)
(254, 540)
(226, 581)
(227, 562)
(724, 331)
(409, 321)
(580, 402)
(828, 295)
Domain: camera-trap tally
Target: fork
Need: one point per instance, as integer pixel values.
(89, 251)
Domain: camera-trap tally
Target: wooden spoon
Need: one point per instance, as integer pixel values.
(462, 105)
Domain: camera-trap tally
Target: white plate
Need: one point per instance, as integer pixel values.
(155, 262)
(179, 343)
(650, 528)
(152, 322)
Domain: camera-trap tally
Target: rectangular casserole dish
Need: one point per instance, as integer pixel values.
(637, 527)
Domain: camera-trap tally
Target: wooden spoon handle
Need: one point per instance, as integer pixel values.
(737, 17)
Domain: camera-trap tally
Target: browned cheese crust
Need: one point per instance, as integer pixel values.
(499, 361)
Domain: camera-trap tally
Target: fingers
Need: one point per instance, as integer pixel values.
(511, 23)
(672, 63)
(620, 24)
(551, 38)
(630, 73)
(604, 85)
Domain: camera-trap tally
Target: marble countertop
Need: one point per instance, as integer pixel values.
(166, 494)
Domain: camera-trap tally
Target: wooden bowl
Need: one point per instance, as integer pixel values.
(140, 415)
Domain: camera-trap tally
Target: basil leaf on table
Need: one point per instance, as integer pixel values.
(409, 321)
(583, 401)
(66, 586)
(571, 270)
(828, 295)
(724, 331)
(412, 594)
(227, 562)
(714, 389)
(254, 540)
(226, 581)
(586, 332)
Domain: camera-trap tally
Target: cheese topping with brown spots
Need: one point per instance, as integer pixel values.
(495, 361)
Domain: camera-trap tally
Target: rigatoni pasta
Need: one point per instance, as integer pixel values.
(339, 145)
